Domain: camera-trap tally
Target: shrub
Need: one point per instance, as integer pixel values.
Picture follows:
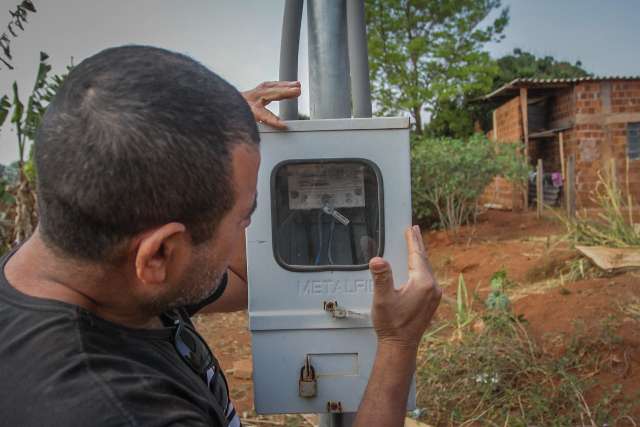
(449, 175)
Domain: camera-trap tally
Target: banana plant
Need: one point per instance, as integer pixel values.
(26, 120)
(5, 106)
(6, 198)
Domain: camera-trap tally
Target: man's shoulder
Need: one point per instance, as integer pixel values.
(45, 374)
(68, 367)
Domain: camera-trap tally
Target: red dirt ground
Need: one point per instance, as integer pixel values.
(525, 248)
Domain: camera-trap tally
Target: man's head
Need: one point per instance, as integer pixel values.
(141, 157)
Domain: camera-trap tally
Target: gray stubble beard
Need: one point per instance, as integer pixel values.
(206, 283)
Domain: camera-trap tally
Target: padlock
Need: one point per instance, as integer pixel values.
(308, 385)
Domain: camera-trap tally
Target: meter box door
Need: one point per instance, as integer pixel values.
(332, 194)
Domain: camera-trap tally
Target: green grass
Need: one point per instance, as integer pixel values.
(613, 226)
(496, 375)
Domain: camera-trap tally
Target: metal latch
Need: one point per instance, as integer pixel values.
(334, 407)
(331, 306)
(308, 385)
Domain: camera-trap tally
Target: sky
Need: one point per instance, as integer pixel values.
(240, 39)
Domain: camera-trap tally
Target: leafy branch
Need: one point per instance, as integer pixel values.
(18, 19)
(424, 52)
(448, 176)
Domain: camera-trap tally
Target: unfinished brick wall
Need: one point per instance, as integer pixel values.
(603, 110)
(625, 96)
(625, 104)
(597, 114)
(562, 108)
(588, 100)
(508, 129)
(498, 195)
(590, 144)
(509, 121)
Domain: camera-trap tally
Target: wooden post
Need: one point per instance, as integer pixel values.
(570, 187)
(525, 132)
(613, 171)
(561, 141)
(495, 126)
(629, 198)
(539, 190)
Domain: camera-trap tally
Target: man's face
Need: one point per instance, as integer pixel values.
(211, 259)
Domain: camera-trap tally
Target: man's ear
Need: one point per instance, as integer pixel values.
(158, 250)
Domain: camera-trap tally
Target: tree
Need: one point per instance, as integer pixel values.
(521, 64)
(422, 52)
(457, 117)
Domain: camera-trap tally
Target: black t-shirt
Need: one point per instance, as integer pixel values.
(60, 365)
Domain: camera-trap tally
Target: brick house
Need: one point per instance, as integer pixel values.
(596, 119)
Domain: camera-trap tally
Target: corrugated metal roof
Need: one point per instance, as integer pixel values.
(518, 83)
(573, 79)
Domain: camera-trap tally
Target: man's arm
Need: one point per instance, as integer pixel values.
(400, 317)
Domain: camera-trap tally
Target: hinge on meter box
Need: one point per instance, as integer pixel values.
(331, 306)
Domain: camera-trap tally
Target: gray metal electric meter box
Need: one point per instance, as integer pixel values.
(332, 194)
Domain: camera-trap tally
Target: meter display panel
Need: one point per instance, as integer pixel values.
(327, 214)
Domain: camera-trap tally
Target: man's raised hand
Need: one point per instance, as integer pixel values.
(263, 94)
(400, 316)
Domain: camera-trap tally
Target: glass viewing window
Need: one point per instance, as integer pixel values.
(327, 214)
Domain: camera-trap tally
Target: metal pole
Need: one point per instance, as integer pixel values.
(289, 45)
(337, 420)
(329, 92)
(358, 58)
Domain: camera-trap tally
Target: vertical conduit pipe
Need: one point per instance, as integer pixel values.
(329, 91)
(289, 46)
(358, 59)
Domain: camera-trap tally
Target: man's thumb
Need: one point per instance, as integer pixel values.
(382, 276)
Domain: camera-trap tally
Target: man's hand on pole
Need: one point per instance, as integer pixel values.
(400, 316)
(263, 94)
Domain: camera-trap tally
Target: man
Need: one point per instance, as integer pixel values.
(147, 165)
